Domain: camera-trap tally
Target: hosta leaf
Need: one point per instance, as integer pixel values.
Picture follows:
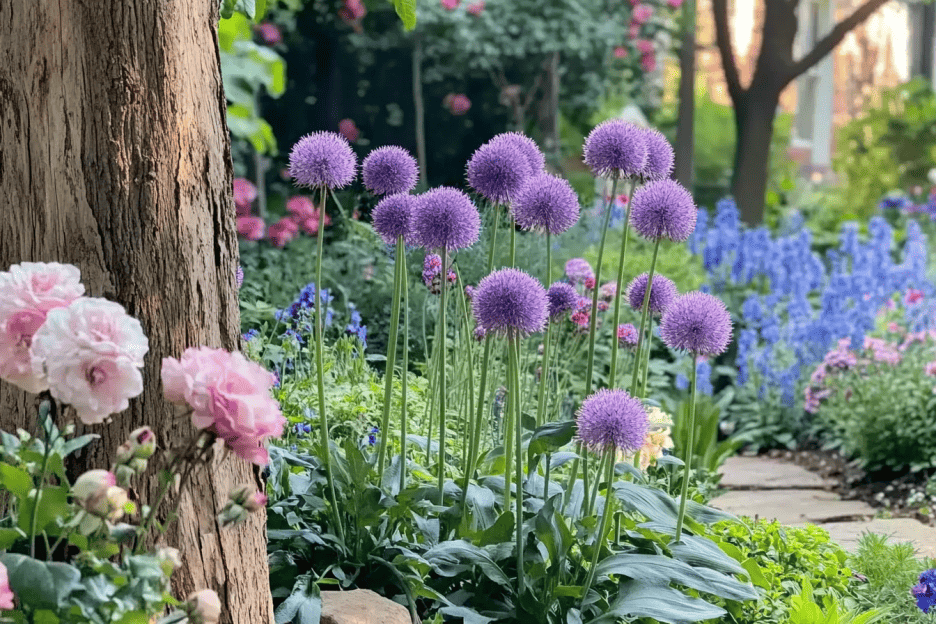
(660, 602)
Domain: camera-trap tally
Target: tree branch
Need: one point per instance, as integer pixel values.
(835, 36)
(723, 39)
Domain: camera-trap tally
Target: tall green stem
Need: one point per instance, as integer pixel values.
(513, 244)
(544, 368)
(514, 364)
(509, 431)
(473, 423)
(475, 441)
(398, 270)
(492, 247)
(320, 305)
(643, 318)
(442, 392)
(404, 372)
(612, 379)
(605, 517)
(646, 367)
(688, 454)
(593, 320)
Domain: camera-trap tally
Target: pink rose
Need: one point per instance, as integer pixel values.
(930, 369)
(476, 8)
(458, 104)
(90, 354)
(6, 594)
(648, 62)
(674, 3)
(244, 194)
(283, 231)
(633, 31)
(251, 228)
(269, 33)
(301, 207)
(642, 13)
(229, 395)
(620, 52)
(348, 130)
(450, 5)
(27, 292)
(644, 46)
(353, 11)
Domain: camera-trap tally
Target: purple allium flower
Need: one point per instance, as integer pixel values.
(663, 209)
(612, 419)
(925, 591)
(510, 303)
(660, 156)
(389, 170)
(322, 159)
(608, 290)
(627, 336)
(393, 217)
(546, 203)
(662, 293)
(479, 334)
(469, 292)
(239, 276)
(562, 298)
(616, 148)
(445, 217)
(432, 271)
(696, 322)
(527, 146)
(578, 270)
(498, 171)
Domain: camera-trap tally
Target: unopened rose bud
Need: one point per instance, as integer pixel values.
(124, 475)
(91, 485)
(255, 502)
(124, 454)
(143, 441)
(232, 514)
(169, 559)
(204, 607)
(248, 497)
(138, 464)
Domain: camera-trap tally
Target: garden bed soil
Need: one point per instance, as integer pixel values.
(899, 496)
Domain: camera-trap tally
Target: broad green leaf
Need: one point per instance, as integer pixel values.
(662, 603)
(406, 9)
(700, 551)
(78, 443)
(52, 504)
(481, 502)
(450, 556)
(9, 536)
(303, 606)
(15, 480)
(657, 569)
(655, 504)
(466, 615)
(500, 532)
(551, 437)
(39, 584)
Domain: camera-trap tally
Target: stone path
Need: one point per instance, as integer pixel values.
(775, 489)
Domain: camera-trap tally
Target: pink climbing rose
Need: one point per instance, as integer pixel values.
(644, 46)
(450, 5)
(348, 129)
(642, 13)
(457, 103)
(476, 8)
(283, 231)
(269, 33)
(648, 62)
(28, 291)
(620, 52)
(6, 594)
(251, 228)
(90, 354)
(229, 395)
(244, 195)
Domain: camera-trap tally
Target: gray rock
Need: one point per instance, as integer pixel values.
(792, 506)
(762, 473)
(361, 606)
(897, 530)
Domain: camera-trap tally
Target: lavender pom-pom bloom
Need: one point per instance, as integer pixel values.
(925, 591)
(389, 170)
(498, 170)
(578, 270)
(562, 298)
(660, 156)
(393, 217)
(444, 217)
(662, 293)
(664, 209)
(510, 303)
(696, 322)
(322, 159)
(546, 203)
(612, 419)
(616, 148)
(527, 146)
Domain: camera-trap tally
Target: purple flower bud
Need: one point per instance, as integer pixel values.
(562, 298)
(498, 171)
(616, 148)
(322, 159)
(546, 203)
(696, 322)
(660, 156)
(393, 217)
(526, 146)
(389, 170)
(662, 293)
(612, 419)
(663, 210)
(445, 217)
(510, 303)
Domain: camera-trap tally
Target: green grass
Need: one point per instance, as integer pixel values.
(891, 569)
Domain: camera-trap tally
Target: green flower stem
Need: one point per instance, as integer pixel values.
(513, 244)
(513, 346)
(612, 378)
(473, 423)
(475, 441)
(646, 367)
(544, 368)
(34, 519)
(442, 393)
(643, 320)
(605, 517)
(433, 387)
(508, 428)
(688, 454)
(398, 270)
(404, 372)
(320, 367)
(492, 247)
(593, 320)
(546, 476)
(586, 479)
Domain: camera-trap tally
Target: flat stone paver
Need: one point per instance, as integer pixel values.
(761, 473)
(792, 506)
(898, 530)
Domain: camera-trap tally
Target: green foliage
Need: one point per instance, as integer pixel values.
(804, 610)
(406, 9)
(890, 147)
(707, 452)
(891, 570)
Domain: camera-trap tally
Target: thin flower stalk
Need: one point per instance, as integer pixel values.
(615, 347)
(398, 271)
(643, 321)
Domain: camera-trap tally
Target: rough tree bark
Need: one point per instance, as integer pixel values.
(115, 157)
(755, 106)
(684, 170)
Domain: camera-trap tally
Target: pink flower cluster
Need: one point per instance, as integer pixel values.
(6, 594)
(349, 130)
(269, 33)
(303, 216)
(476, 8)
(457, 103)
(352, 13)
(87, 352)
(229, 395)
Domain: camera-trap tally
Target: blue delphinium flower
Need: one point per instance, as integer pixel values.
(250, 335)
(704, 377)
(682, 382)
(372, 435)
(302, 429)
(925, 591)
(747, 340)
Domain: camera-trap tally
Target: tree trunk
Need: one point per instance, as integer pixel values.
(754, 117)
(684, 170)
(115, 157)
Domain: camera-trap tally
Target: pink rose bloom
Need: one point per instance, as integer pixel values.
(644, 46)
(229, 395)
(301, 207)
(648, 62)
(633, 31)
(27, 292)
(348, 130)
(620, 52)
(642, 13)
(457, 103)
(91, 354)
(353, 11)
(251, 228)
(476, 8)
(6, 594)
(674, 3)
(450, 5)
(269, 33)
(283, 231)
(244, 195)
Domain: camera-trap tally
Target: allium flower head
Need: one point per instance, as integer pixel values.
(612, 419)
(616, 148)
(445, 217)
(498, 170)
(389, 170)
(663, 210)
(322, 159)
(660, 156)
(627, 336)
(578, 270)
(527, 146)
(510, 303)
(662, 293)
(546, 203)
(696, 322)
(562, 298)
(393, 217)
